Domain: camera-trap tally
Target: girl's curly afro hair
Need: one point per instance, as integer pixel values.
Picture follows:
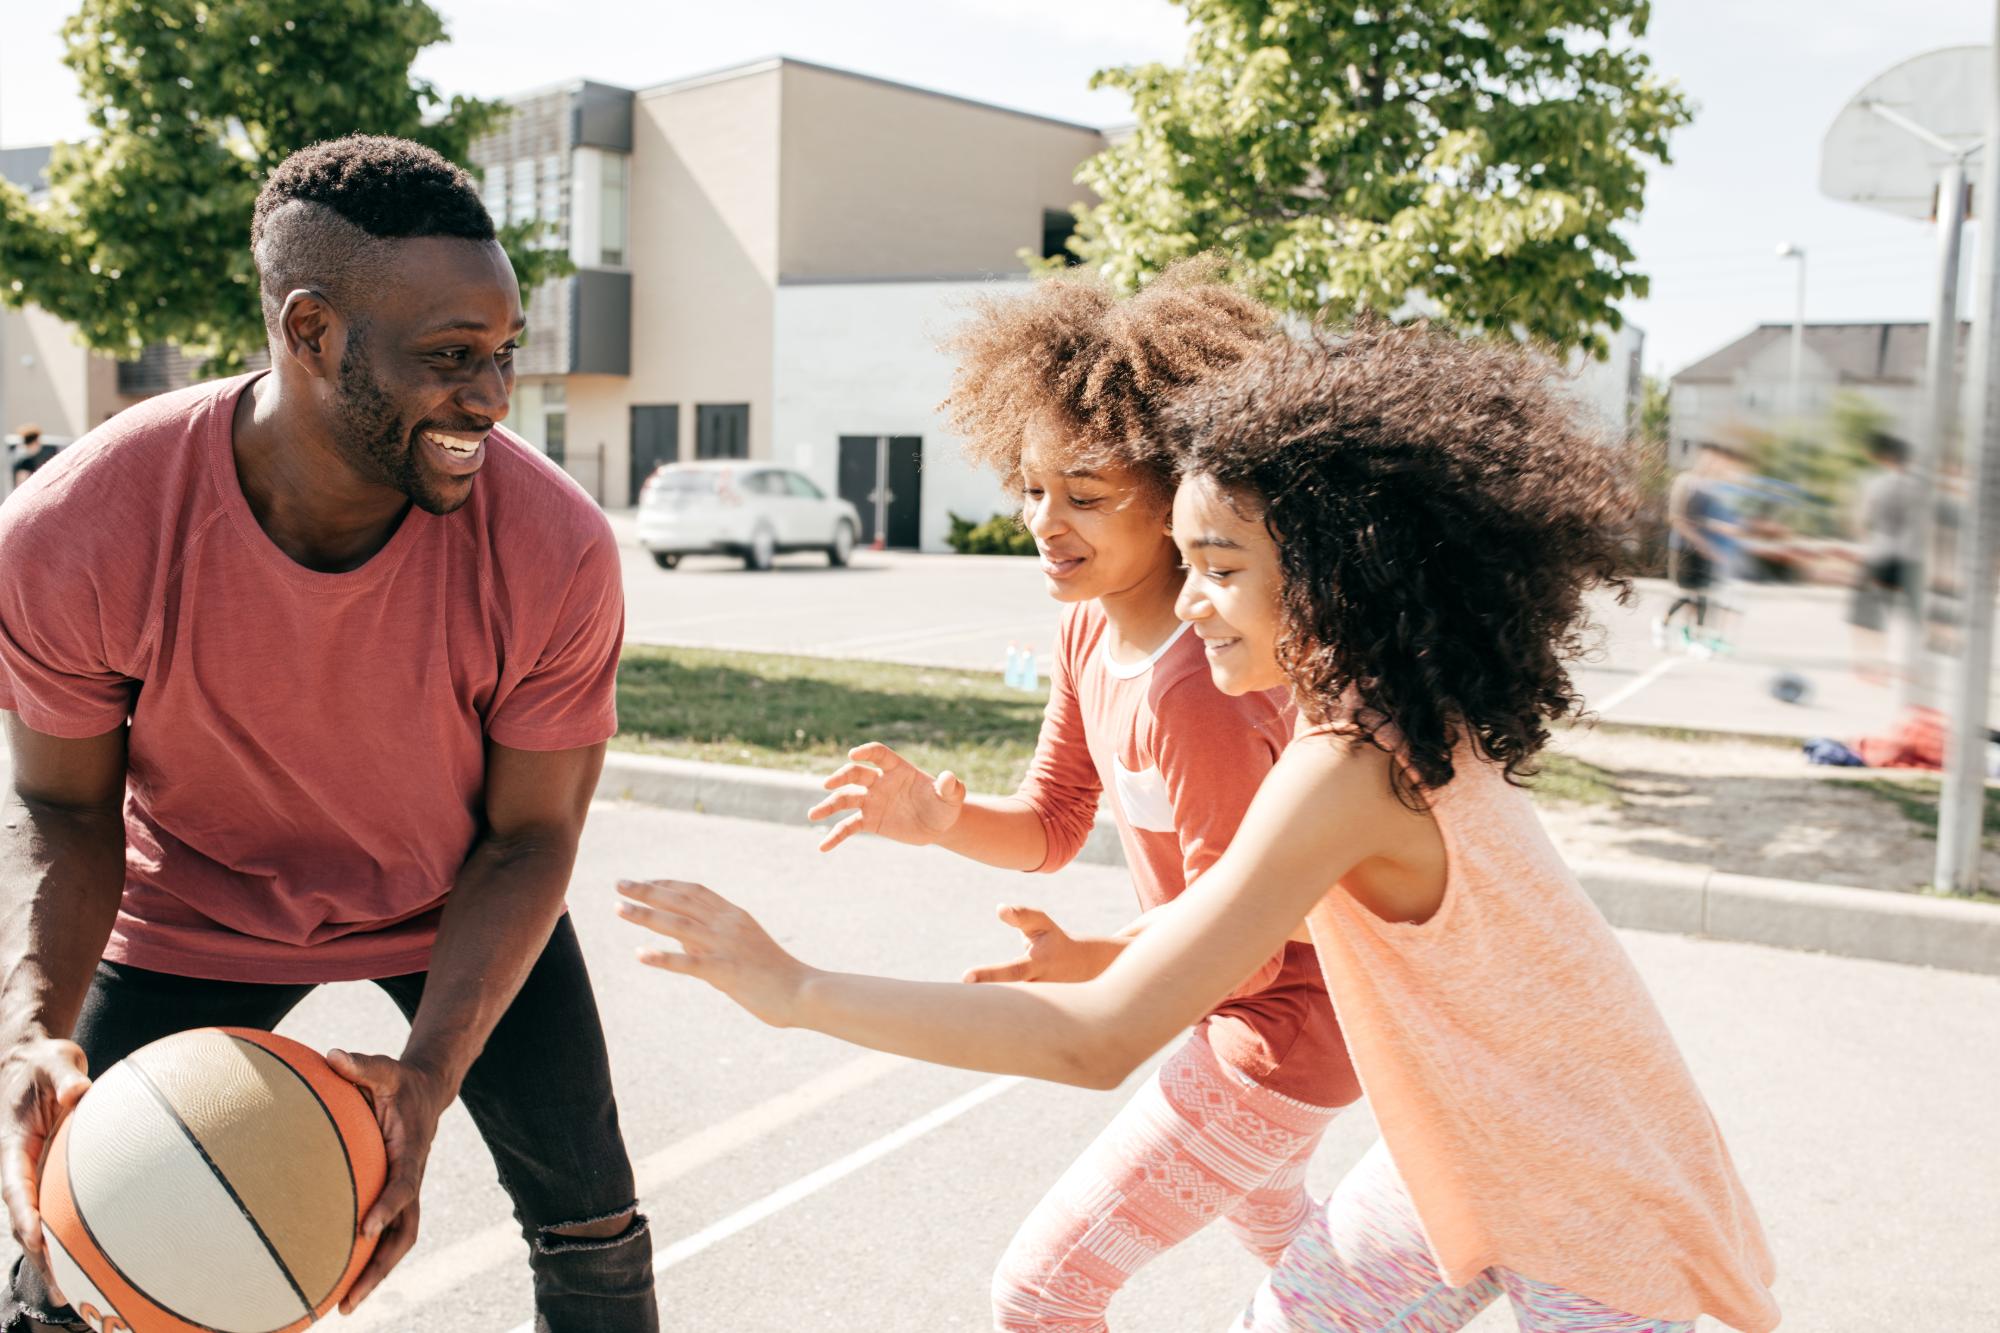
(1439, 513)
(1104, 366)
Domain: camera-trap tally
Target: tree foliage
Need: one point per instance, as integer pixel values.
(1469, 159)
(145, 233)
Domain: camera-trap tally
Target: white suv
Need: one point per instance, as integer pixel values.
(737, 507)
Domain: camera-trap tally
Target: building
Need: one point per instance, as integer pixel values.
(1746, 386)
(764, 257)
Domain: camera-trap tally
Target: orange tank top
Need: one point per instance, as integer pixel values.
(1527, 1088)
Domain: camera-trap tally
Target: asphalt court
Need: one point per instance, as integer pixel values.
(799, 1183)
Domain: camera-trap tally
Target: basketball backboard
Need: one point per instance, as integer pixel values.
(1873, 156)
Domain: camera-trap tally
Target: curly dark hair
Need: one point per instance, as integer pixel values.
(1106, 366)
(322, 215)
(1439, 513)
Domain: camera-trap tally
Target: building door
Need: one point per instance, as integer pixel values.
(895, 511)
(656, 439)
(722, 430)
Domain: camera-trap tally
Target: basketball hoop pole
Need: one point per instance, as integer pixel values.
(1940, 383)
(1961, 807)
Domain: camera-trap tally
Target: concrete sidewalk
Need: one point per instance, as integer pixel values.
(1856, 923)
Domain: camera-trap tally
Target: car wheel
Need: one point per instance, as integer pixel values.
(842, 549)
(763, 550)
(666, 559)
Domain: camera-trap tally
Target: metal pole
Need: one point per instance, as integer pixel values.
(1933, 445)
(881, 542)
(1961, 810)
(1799, 347)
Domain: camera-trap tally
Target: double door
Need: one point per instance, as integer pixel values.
(882, 477)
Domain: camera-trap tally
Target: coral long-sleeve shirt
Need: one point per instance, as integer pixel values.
(1180, 761)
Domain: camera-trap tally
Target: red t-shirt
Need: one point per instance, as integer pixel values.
(1182, 761)
(307, 750)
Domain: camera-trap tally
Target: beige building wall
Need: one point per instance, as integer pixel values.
(888, 181)
(704, 257)
(53, 381)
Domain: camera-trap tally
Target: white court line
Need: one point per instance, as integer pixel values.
(1647, 677)
(805, 1186)
(412, 1285)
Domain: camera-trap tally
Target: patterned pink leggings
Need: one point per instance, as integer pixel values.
(1361, 1265)
(1199, 1142)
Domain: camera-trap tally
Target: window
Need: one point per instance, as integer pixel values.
(521, 191)
(722, 430)
(1057, 227)
(802, 488)
(764, 483)
(493, 193)
(611, 217)
(550, 209)
(555, 418)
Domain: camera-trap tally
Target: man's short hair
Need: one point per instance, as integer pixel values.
(323, 216)
(31, 435)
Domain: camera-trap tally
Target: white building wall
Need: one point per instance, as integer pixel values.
(863, 359)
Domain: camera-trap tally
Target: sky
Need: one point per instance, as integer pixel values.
(1767, 76)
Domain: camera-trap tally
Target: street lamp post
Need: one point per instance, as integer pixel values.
(1793, 250)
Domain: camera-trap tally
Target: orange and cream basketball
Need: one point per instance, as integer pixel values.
(212, 1182)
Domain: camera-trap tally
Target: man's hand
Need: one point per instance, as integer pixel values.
(894, 798)
(1049, 952)
(408, 1099)
(41, 1082)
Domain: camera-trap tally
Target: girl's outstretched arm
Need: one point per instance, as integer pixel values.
(1322, 811)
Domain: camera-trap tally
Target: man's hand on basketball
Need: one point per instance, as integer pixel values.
(893, 797)
(408, 1100)
(41, 1081)
(720, 943)
(1050, 953)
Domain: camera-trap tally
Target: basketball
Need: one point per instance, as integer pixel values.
(214, 1180)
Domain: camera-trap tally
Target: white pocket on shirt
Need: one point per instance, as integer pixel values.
(1143, 797)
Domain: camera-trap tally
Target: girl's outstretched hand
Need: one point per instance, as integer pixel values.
(720, 943)
(893, 799)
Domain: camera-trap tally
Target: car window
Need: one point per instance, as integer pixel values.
(803, 487)
(764, 483)
(690, 481)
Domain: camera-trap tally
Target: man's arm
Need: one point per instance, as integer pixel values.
(494, 926)
(62, 872)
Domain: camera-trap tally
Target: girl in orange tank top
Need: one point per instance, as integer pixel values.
(1401, 526)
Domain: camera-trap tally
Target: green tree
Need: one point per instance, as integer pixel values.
(145, 234)
(1475, 154)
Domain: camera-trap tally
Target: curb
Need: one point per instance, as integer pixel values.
(1889, 927)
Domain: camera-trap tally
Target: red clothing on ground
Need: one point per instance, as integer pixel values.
(1182, 761)
(307, 751)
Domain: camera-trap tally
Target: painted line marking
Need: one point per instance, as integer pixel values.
(1646, 678)
(411, 1286)
(805, 1186)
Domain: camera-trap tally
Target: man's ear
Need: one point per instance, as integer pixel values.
(313, 333)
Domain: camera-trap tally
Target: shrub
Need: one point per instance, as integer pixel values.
(1001, 534)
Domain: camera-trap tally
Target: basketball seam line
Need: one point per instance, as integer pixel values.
(333, 1123)
(146, 1081)
(83, 1219)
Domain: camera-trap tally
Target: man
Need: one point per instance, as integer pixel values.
(1887, 513)
(30, 454)
(1701, 546)
(366, 643)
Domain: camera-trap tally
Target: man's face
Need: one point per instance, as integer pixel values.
(428, 369)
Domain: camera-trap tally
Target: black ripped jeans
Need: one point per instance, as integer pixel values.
(540, 1094)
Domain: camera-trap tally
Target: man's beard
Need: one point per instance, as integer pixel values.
(370, 434)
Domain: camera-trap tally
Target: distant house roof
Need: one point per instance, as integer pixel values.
(1858, 353)
(26, 167)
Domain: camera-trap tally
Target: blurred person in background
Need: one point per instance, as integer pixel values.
(29, 454)
(1885, 515)
(1703, 549)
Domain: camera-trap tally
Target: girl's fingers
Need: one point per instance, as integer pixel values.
(1027, 920)
(670, 960)
(672, 924)
(852, 775)
(847, 798)
(876, 753)
(840, 833)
